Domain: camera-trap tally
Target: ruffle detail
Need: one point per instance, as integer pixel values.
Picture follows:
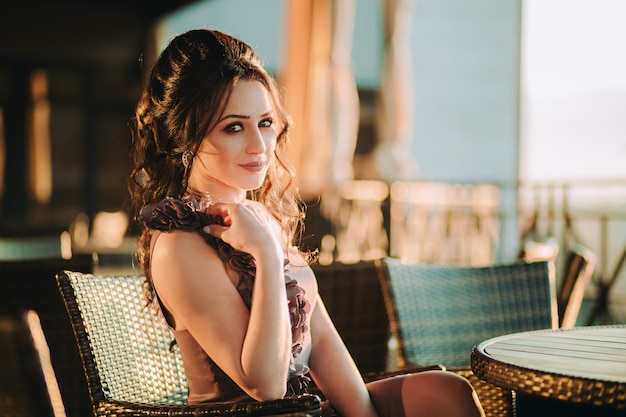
(184, 214)
(172, 213)
(299, 307)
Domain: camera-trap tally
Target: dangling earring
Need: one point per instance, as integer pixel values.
(187, 159)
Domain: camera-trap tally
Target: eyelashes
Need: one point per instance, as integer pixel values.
(233, 128)
(238, 126)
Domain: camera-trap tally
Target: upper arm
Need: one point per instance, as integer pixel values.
(194, 285)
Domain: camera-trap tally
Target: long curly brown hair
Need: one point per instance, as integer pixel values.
(184, 96)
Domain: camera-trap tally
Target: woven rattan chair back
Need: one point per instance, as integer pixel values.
(129, 342)
(439, 312)
(130, 364)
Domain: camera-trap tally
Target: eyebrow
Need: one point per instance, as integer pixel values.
(240, 116)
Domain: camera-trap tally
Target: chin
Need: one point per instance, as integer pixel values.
(251, 186)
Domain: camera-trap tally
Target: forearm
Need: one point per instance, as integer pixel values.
(341, 383)
(334, 370)
(267, 345)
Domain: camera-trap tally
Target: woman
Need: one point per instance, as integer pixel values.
(221, 214)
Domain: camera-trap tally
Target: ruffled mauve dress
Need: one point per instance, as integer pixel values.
(207, 382)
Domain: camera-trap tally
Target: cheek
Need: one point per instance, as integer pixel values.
(270, 143)
(217, 152)
(211, 161)
(210, 148)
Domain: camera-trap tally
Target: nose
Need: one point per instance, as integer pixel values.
(256, 142)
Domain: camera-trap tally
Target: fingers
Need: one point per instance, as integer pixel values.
(246, 226)
(244, 214)
(217, 231)
(220, 210)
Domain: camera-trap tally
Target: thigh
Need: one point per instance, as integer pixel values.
(428, 393)
(386, 395)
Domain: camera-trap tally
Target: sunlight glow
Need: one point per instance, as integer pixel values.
(573, 89)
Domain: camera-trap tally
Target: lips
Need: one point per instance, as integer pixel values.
(254, 166)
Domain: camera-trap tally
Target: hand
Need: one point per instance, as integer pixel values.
(248, 227)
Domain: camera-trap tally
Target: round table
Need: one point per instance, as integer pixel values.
(585, 365)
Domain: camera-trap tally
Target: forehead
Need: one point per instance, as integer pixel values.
(249, 96)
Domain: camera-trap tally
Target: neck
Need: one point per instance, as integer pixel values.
(206, 198)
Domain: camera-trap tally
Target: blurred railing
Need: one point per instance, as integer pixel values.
(444, 223)
(463, 223)
(414, 220)
(588, 212)
(357, 213)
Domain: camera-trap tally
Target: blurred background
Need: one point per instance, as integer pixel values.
(438, 131)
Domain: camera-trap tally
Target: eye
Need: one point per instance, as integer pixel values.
(233, 127)
(266, 122)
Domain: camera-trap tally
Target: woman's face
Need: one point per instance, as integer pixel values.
(234, 157)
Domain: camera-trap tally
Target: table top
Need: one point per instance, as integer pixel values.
(581, 364)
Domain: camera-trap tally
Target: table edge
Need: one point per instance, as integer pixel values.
(517, 378)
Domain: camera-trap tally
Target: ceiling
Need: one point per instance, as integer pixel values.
(46, 32)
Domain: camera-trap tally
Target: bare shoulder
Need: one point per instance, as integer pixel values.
(177, 245)
(178, 251)
(182, 257)
(187, 274)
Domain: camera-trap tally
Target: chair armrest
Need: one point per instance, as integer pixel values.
(295, 406)
(374, 376)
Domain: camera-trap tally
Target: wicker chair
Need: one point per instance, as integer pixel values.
(27, 384)
(357, 306)
(439, 312)
(579, 266)
(29, 284)
(128, 363)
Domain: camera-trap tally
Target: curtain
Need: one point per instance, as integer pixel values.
(320, 92)
(395, 104)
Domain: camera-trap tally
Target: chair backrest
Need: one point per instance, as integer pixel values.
(439, 312)
(354, 300)
(28, 386)
(31, 285)
(539, 250)
(125, 346)
(578, 269)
